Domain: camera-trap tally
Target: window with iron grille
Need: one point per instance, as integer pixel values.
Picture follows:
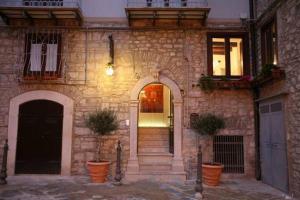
(42, 55)
(229, 150)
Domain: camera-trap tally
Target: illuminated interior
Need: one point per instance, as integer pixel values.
(236, 56)
(219, 65)
(155, 107)
(219, 57)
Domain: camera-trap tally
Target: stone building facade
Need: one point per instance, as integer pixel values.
(286, 14)
(177, 57)
(176, 54)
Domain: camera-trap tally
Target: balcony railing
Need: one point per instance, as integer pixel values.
(41, 3)
(167, 3)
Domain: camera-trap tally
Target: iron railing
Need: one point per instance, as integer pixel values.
(41, 3)
(229, 150)
(167, 3)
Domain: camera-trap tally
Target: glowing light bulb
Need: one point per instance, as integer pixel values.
(109, 70)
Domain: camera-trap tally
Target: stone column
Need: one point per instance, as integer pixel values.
(133, 164)
(177, 164)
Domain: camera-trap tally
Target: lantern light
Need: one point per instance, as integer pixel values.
(109, 69)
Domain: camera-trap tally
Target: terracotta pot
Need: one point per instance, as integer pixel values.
(98, 171)
(211, 173)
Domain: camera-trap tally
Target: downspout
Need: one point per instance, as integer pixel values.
(86, 55)
(256, 90)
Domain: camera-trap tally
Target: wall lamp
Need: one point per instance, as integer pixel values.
(110, 65)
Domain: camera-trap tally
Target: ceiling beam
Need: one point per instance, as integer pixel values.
(27, 16)
(53, 17)
(4, 18)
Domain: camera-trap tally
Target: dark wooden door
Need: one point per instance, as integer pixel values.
(39, 142)
(273, 145)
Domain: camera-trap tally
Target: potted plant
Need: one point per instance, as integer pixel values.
(206, 83)
(209, 124)
(101, 122)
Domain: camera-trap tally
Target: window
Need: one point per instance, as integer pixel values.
(269, 43)
(42, 55)
(227, 55)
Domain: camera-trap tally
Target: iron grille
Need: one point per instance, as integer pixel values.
(166, 3)
(229, 150)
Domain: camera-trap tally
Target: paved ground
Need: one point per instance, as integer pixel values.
(75, 188)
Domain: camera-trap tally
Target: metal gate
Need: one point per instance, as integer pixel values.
(273, 145)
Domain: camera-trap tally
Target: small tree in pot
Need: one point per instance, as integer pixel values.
(101, 122)
(209, 124)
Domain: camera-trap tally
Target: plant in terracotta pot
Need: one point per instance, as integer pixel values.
(101, 122)
(209, 124)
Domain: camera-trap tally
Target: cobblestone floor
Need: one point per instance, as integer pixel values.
(80, 188)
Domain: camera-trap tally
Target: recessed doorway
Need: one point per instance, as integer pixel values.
(39, 140)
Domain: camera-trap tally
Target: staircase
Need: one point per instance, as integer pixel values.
(155, 161)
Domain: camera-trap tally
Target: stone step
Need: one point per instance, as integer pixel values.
(157, 149)
(163, 177)
(155, 158)
(153, 137)
(153, 131)
(155, 167)
(152, 143)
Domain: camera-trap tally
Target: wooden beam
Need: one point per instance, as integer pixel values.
(180, 15)
(27, 16)
(52, 16)
(79, 18)
(204, 19)
(4, 18)
(154, 18)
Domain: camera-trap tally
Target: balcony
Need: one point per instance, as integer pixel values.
(41, 12)
(167, 13)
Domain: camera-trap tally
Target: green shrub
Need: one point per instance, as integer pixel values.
(207, 124)
(206, 83)
(102, 121)
(267, 70)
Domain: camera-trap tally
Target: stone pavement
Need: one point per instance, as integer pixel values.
(80, 188)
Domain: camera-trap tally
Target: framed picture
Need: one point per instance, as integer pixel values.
(152, 99)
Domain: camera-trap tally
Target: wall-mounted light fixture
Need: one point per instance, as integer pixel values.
(109, 69)
(110, 65)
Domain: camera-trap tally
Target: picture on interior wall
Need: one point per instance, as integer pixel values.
(152, 99)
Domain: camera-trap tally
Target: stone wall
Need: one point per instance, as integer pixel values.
(288, 28)
(179, 55)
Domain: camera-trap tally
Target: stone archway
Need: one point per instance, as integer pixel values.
(177, 162)
(68, 109)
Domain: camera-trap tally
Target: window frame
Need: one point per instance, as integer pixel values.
(227, 36)
(42, 73)
(267, 50)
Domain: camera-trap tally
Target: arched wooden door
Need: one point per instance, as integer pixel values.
(39, 142)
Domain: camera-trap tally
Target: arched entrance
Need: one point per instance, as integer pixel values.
(155, 121)
(134, 171)
(25, 101)
(39, 141)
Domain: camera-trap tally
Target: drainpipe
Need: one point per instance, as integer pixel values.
(256, 91)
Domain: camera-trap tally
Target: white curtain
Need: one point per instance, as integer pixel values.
(36, 57)
(51, 58)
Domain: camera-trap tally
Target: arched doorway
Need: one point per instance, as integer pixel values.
(39, 141)
(67, 126)
(134, 171)
(155, 120)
